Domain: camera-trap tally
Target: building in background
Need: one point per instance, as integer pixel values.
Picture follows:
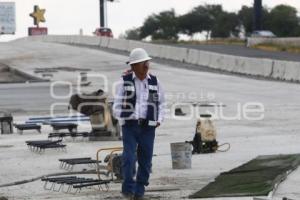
(7, 18)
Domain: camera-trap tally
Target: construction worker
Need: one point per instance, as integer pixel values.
(138, 106)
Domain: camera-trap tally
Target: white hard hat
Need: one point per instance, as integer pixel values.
(138, 55)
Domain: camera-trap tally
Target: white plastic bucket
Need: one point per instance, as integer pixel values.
(181, 153)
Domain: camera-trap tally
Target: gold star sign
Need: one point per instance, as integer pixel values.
(38, 15)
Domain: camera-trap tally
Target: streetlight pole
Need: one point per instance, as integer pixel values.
(257, 15)
(102, 15)
(103, 12)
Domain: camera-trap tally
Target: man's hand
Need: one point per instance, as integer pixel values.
(157, 125)
(127, 72)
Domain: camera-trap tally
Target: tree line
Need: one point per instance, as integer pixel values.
(215, 22)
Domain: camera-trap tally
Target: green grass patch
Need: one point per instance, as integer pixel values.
(277, 47)
(221, 41)
(225, 41)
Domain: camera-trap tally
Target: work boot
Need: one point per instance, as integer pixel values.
(140, 198)
(128, 196)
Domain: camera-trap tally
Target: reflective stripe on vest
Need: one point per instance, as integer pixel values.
(129, 100)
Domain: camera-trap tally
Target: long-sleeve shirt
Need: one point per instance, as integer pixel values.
(142, 93)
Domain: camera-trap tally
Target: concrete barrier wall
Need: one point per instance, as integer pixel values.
(118, 44)
(165, 52)
(85, 40)
(284, 70)
(257, 67)
(178, 54)
(104, 42)
(134, 44)
(217, 61)
(153, 49)
(193, 56)
(204, 58)
(276, 41)
(76, 39)
(275, 69)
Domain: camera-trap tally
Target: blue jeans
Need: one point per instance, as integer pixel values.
(138, 144)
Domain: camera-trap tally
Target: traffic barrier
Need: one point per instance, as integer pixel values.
(56, 39)
(285, 70)
(229, 63)
(134, 44)
(178, 54)
(90, 40)
(152, 49)
(38, 38)
(193, 56)
(69, 40)
(277, 69)
(165, 52)
(292, 71)
(204, 58)
(75, 39)
(118, 44)
(255, 66)
(59, 39)
(217, 61)
(104, 42)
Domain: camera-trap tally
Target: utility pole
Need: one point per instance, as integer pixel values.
(103, 12)
(257, 15)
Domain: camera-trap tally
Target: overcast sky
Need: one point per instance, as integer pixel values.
(68, 16)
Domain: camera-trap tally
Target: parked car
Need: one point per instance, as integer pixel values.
(263, 33)
(104, 32)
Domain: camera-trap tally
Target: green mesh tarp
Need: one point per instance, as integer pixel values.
(258, 177)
